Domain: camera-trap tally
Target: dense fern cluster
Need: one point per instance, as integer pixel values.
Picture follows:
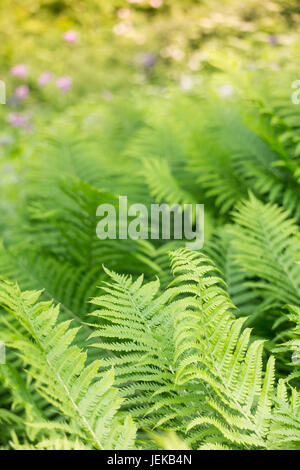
(111, 344)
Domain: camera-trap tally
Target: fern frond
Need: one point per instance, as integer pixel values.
(134, 324)
(89, 403)
(212, 348)
(265, 232)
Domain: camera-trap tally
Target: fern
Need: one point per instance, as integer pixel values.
(205, 357)
(134, 323)
(88, 404)
(160, 357)
(221, 357)
(265, 232)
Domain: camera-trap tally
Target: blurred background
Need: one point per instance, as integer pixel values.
(60, 56)
(100, 48)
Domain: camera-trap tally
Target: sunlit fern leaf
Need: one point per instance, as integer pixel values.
(212, 347)
(134, 324)
(191, 349)
(54, 442)
(285, 429)
(88, 403)
(67, 285)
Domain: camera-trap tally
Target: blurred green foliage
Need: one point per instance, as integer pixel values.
(132, 49)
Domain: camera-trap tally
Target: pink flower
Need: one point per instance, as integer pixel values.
(17, 120)
(19, 70)
(71, 36)
(22, 92)
(155, 3)
(45, 78)
(123, 13)
(64, 84)
(20, 120)
(122, 29)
